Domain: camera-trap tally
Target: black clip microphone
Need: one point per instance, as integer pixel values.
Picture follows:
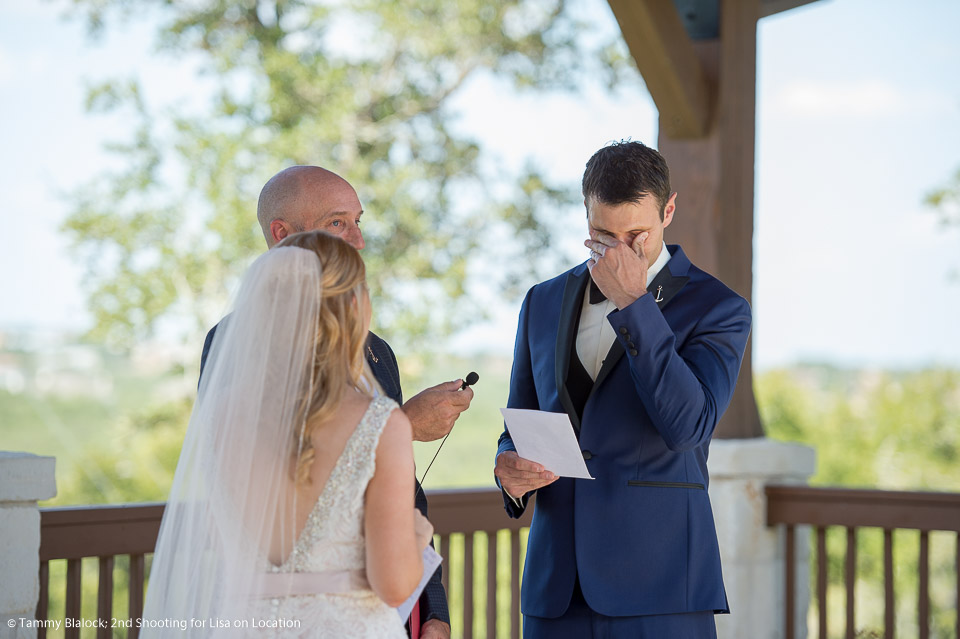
(470, 380)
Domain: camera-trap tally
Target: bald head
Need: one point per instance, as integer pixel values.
(309, 198)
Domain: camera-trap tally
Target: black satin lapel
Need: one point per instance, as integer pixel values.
(613, 356)
(569, 312)
(666, 285)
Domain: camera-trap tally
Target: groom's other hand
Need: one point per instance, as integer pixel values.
(434, 629)
(518, 476)
(433, 411)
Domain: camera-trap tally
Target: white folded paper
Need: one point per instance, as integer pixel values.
(548, 439)
(431, 559)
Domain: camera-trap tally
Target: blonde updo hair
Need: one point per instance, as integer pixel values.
(341, 335)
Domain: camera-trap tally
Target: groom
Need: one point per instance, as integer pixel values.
(309, 198)
(641, 349)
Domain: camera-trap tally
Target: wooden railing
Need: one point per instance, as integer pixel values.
(103, 532)
(465, 513)
(793, 506)
(458, 516)
(471, 522)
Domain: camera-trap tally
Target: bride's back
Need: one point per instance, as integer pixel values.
(356, 509)
(329, 439)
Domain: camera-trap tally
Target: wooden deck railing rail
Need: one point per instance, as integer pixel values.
(793, 506)
(103, 532)
(131, 529)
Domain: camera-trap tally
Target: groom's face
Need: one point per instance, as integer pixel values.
(627, 220)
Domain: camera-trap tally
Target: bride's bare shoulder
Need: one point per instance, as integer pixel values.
(398, 424)
(397, 435)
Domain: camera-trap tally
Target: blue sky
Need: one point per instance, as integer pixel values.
(858, 118)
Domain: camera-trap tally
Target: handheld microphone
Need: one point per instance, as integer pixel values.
(471, 379)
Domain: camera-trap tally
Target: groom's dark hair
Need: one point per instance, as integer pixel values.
(626, 171)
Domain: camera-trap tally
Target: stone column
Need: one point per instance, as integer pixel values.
(753, 553)
(24, 480)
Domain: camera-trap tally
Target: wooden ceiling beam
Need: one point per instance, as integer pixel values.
(670, 67)
(771, 7)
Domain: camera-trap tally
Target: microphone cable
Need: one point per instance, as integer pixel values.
(470, 380)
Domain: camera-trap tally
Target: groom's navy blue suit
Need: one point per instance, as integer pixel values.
(639, 539)
(383, 364)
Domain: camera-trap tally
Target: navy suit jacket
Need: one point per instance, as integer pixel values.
(383, 363)
(640, 536)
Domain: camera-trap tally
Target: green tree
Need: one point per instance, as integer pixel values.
(131, 460)
(361, 86)
(904, 426)
(946, 199)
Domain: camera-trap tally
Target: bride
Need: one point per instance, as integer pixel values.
(291, 511)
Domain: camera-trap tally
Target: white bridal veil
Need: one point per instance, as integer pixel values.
(229, 517)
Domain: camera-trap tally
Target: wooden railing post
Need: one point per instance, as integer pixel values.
(25, 479)
(850, 578)
(822, 581)
(889, 603)
(790, 587)
(105, 598)
(923, 605)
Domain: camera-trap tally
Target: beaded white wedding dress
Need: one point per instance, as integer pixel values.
(332, 543)
(232, 499)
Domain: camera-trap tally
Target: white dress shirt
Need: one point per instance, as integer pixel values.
(596, 336)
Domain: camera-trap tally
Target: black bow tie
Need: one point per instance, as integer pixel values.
(596, 295)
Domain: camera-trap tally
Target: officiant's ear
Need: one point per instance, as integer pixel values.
(355, 302)
(280, 229)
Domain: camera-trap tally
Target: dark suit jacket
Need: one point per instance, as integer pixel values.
(383, 363)
(640, 536)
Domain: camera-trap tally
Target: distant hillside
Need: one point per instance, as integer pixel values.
(115, 424)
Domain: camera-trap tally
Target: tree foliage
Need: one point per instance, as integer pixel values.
(360, 86)
(874, 429)
(946, 199)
